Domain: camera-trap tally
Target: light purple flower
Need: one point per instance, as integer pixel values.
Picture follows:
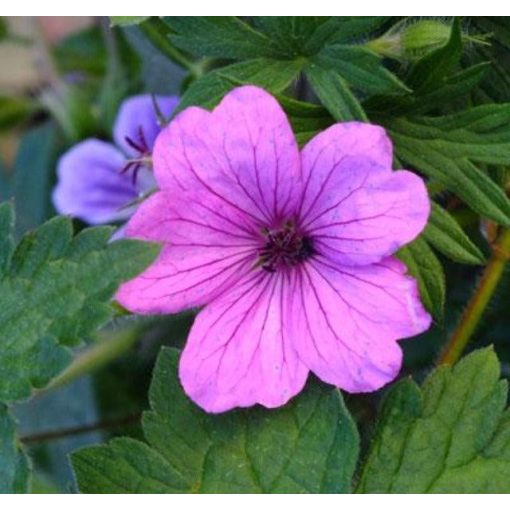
(290, 252)
(96, 180)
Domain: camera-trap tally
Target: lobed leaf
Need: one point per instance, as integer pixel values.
(54, 292)
(308, 446)
(452, 435)
(445, 147)
(361, 68)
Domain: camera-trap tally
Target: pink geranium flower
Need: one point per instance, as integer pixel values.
(290, 252)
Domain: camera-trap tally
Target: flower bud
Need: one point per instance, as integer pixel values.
(411, 41)
(423, 37)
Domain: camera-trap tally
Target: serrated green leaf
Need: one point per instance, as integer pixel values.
(360, 68)
(273, 75)
(445, 234)
(450, 89)
(219, 36)
(14, 465)
(126, 21)
(54, 292)
(308, 446)
(428, 271)
(289, 33)
(342, 29)
(334, 94)
(450, 436)
(444, 148)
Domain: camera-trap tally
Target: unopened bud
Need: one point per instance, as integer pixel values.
(411, 41)
(423, 37)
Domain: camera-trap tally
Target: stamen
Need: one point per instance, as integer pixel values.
(284, 247)
(144, 154)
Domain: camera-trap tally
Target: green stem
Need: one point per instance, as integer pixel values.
(53, 435)
(479, 301)
(98, 355)
(155, 31)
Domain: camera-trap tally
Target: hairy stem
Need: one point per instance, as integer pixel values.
(98, 355)
(479, 301)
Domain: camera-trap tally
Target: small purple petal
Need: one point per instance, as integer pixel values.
(137, 120)
(239, 351)
(90, 185)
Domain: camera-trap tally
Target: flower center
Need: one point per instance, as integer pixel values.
(143, 157)
(285, 247)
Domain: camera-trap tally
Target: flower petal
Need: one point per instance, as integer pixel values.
(345, 321)
(90, 185)
(239, 352)
(136, 114)
(244, 152)
(357, 210)
(207, 248)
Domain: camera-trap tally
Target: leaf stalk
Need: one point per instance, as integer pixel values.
(479, 300)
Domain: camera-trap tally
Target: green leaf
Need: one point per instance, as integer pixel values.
(435, 66)
(55, 291)
(361, 68)
(450, 89)
(219, 36)
(343, 29)
(273, 75)
(334, 94)
(306, 119)
(446, 147)
(290, 34)
(14, 465)
(452, 435)
(126, 21)
(445, 234)
(424, 266)
(496, 86)
(308, 446)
